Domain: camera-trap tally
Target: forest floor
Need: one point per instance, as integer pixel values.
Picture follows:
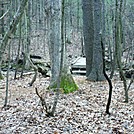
(80, 112)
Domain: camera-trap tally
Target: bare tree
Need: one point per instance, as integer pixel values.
(64, 79)
(13, 26)
(118, 46)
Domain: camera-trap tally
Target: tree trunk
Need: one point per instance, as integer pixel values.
(118, 50)
(65, 79)
(55, 43)
(28, 33)
(18, 51)
(7, 78)
(88, 32)
(96, 73)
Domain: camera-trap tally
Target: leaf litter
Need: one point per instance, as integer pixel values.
(80, 112)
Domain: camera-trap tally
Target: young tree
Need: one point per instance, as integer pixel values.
(107, 78)
(1, 27)
(7, 78)
(118, 46)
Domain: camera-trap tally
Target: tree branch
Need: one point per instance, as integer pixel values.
(4, 14)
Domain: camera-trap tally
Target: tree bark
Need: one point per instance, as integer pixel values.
(118, 46)
(96, 73)
(88, 32)
(64, 79)
(55, 43)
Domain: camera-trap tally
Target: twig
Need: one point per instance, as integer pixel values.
(131, 81)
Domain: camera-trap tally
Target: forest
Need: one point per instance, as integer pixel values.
(66, 66)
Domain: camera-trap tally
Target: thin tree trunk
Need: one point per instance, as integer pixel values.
(118, 49)
(61, 60)
(24, 59)
(2, 29)
(107, 78)
(7, 77)
(28, 31)
(18, 53)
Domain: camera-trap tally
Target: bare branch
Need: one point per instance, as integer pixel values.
(4, 14)
(43, 102)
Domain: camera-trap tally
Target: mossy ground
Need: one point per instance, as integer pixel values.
(67, 83)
